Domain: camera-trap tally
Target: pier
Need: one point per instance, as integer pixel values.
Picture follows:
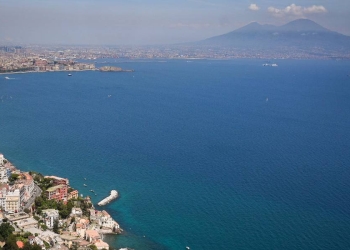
(112, 196)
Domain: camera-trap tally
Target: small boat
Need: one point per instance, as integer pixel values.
(69, 74)
(7, 78)
(85, 185)
(188, 248)
(84, 178)
(92, 190)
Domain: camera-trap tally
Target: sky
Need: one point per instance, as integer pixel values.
(153, 22)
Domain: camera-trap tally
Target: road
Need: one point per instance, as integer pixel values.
(36, 193)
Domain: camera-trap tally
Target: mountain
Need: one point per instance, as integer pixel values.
(303, 25)
(301, 34)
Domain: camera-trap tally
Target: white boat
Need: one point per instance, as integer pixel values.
(69, 74)
(85, 185)
(7, 78)
(188, 248)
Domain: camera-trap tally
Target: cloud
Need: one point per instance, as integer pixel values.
(253, 7)
(295, 10)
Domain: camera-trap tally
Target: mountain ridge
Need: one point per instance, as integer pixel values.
(301, 34)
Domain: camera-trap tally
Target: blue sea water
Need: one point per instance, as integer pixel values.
(211, 154)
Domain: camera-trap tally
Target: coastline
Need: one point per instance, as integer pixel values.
(48, 71)
(77, 225)
(68, 71)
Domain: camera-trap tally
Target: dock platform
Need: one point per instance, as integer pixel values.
(112, 196)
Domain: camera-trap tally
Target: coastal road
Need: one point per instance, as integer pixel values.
(36, 192)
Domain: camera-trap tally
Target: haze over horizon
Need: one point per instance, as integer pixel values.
(136, 22)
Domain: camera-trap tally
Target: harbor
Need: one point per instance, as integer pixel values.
(111, 197)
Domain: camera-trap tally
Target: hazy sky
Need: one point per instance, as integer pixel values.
(154, 21)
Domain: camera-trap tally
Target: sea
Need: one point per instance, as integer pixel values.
(209, 154)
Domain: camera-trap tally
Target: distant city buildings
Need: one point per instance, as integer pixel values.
(75, 58)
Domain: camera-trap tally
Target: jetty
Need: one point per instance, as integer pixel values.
(112, 196)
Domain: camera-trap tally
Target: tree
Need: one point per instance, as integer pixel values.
(13, 177)
(27, 246)
(55, 227)
(36, 247)
(6, 230)
(38, 201)
(11, 243)
(44, 227)
(27, 234)
(64, 213)
(93, 247)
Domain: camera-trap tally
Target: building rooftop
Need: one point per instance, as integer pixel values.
(92, 233)
(52, 189)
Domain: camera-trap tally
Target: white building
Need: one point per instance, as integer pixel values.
(21, 189)
(76, 211)
(3, 173)
(12, 201)
(3, 192)
(2, 159)
(50, 216)
(107, 221)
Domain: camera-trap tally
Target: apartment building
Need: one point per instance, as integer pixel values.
(12, 201)
(50, 216)
(58, 193)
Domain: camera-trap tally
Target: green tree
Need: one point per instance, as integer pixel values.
(13, 177)
(6, 230)
(36, 247)
(93, 247)
(27, 234)
(44, 227)
(11, 243)
(38, 201)
(55, 226)
(47, 245)
(27, 246)
(64, 213)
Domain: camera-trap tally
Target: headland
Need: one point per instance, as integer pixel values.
(46, 212)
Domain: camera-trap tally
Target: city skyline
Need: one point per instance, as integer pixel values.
(113, 22)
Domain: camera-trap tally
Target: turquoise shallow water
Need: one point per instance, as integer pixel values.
(209, 154)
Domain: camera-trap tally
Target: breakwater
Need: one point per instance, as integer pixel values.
(112, 196)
